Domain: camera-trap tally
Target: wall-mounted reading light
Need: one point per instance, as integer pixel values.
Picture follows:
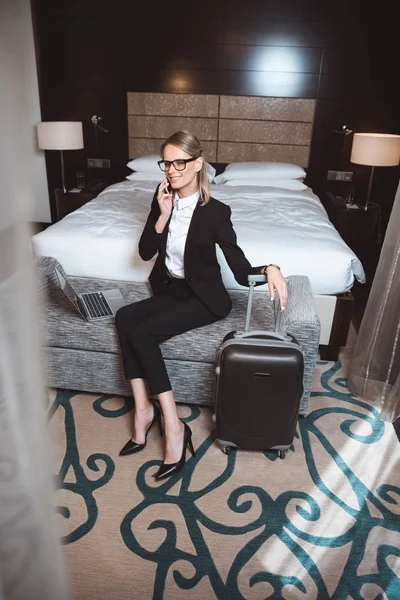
(344, 131)
(97, 120)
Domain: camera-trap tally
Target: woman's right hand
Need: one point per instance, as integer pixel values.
(165, 199)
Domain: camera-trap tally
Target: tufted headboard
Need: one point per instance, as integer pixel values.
(231, 128)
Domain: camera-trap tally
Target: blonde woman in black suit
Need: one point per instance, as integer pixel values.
(183, 227)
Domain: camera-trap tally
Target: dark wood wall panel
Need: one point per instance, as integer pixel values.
(289, 59)
(299, 10)
(259, 47)
(81, 55)
(189, 57)
(177, 81)
(278, 84)
(241, 83)
(272, 32)
(357, 87)
(90, 53)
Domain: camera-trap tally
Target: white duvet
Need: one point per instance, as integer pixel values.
(273, 225)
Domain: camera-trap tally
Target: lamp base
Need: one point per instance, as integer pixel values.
(369, 188)
(64, 189)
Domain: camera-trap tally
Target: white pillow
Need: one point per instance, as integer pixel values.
(260, 170)
(148, 164)
(145, 164)
(143, 176)
(284, 184)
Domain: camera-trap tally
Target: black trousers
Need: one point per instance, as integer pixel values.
(143, 325)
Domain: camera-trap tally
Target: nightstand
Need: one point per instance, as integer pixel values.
(358, 227)
(361, 230)
(67, 202)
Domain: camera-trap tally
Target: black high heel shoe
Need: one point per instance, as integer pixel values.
(131, 447)
(169, 469)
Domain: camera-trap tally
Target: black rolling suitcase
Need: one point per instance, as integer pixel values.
(258, 389)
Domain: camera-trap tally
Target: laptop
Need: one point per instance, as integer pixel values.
(92, 306)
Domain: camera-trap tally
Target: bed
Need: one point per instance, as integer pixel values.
(273, 224)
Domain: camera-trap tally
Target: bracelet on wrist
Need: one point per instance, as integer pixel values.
(264, 271)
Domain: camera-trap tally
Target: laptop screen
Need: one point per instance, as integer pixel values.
(66, 288)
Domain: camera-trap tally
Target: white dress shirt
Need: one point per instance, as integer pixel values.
(177, 234)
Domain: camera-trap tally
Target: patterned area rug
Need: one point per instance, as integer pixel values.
(323, 523)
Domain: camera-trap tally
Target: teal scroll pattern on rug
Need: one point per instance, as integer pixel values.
(82, 485)
(292, 517)
(273, 519)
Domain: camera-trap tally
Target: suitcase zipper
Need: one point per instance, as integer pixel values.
(267, 343)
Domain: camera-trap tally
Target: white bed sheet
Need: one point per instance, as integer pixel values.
(272, 225)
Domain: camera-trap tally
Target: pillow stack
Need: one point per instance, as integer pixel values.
(146, 169)
(270, 174)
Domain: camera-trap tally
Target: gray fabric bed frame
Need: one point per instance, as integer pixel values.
(86, 356)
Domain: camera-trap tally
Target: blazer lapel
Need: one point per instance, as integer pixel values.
(163, 248)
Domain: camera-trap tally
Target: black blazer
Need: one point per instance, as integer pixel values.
(210, 225)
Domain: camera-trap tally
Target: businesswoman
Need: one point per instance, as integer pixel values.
(183, 227)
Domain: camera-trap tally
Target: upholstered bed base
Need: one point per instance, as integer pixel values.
(96, 372)
(86, 356)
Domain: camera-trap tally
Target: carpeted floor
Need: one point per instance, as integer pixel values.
(323, 523)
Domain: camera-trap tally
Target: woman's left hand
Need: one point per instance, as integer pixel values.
(277, 283)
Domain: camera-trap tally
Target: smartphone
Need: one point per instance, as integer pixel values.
(166, 187)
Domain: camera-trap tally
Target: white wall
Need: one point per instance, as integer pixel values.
(23, 179)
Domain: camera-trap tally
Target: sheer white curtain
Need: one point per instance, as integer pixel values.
(31, 559)
(374, 371)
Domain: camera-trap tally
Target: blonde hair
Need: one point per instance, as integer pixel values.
(189, 143)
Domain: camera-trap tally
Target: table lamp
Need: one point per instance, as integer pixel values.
(375, 150)
(60, 135)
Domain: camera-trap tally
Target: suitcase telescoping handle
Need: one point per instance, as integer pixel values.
(252, 279)
(271, 335)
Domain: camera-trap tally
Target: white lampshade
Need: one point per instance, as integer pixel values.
(60, 135)
(375, 149)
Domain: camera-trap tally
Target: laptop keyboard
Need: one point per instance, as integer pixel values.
(97, 305)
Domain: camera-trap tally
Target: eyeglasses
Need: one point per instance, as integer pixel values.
(179, 164)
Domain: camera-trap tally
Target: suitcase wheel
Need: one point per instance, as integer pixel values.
(282, 453)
